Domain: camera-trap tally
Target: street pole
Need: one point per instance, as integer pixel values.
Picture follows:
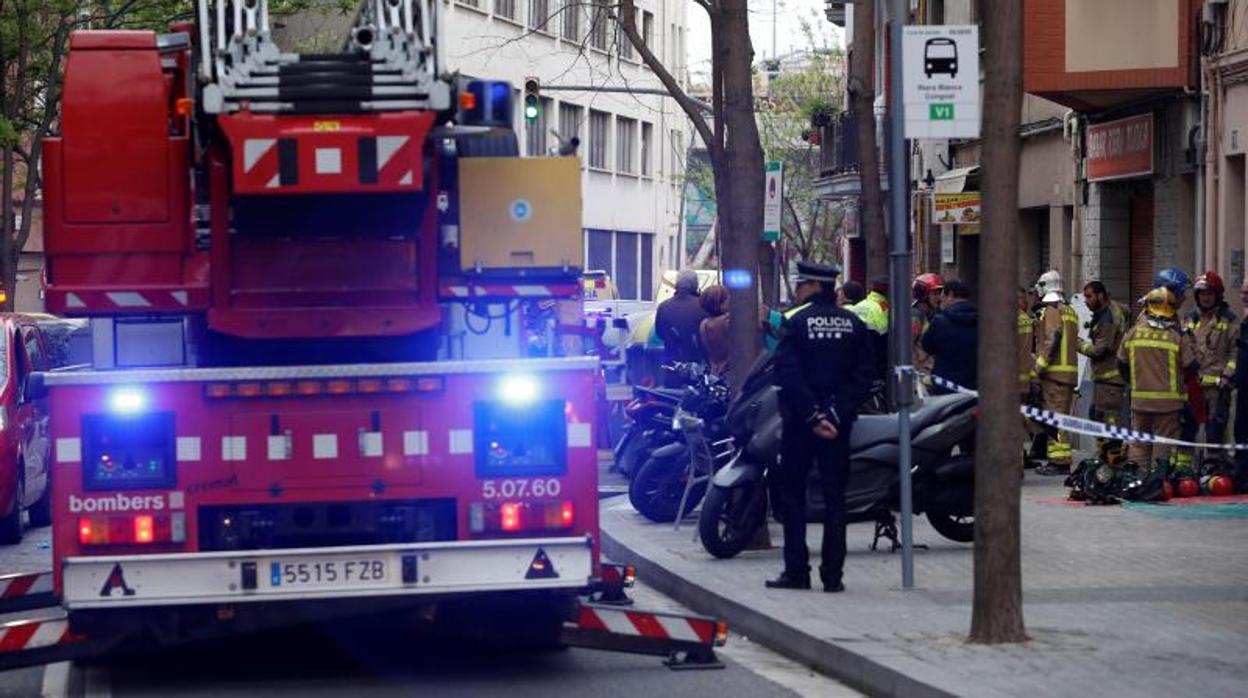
(899, 285)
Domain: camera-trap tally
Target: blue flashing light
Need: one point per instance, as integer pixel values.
(519, 389)
(127, 400)
(738, 278)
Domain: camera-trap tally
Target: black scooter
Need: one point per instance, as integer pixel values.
(944, 482)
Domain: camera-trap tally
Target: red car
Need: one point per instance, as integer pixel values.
(24, 447)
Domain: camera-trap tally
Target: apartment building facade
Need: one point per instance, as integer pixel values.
(633, 138)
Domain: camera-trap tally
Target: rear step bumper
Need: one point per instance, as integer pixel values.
(135, 581)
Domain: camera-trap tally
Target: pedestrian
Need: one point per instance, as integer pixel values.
(714, 333)
(1105, 332)
(1057, 370)
(926, 292)
(873, 311)
(1215, 334)
(1241, 397)
(678, 318)
(823, 369)
(850, 293)
(1153, 357)
(952, 339)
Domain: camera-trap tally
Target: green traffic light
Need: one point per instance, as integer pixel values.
(531, 111)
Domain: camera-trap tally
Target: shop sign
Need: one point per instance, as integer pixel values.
(963, 208)
(1120, 149)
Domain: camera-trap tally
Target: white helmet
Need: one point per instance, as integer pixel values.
(1049, 286)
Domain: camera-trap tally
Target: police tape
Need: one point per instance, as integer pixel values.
(1088, 427)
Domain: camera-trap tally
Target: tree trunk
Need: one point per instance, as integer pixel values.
(739, 182)
(997, 615)
(862, 101)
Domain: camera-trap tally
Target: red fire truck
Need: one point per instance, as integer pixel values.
(335, 370)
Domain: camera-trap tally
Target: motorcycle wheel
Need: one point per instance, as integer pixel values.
(955, 527)
(729, 518)
(635, 453)
(656, 489)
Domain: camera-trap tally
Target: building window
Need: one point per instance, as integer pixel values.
(535, 131)
(625, 143)
(622, 40)
(470, 3)
(539, 14)
(599, 125)
(647, 29)
(505, 9)
(569, 121)
(571, 21)
(598, 31)
(627, 257)
(647, 136)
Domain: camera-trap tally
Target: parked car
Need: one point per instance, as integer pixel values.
(25, 458)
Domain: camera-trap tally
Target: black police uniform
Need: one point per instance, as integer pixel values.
(824, 366)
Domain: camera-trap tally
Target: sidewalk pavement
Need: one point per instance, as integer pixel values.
(1117, 601)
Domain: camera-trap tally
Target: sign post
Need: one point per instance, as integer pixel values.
(940, 66)
(773, 200)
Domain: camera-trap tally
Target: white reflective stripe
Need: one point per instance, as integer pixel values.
(407, 178)
(415, 443)
(68, 450)
(460, 291)
(179, 296)
(73, 301)
(370, 444)
(254, 149)
(677, 628)
(42, 585)
(49, 633)
(461, 441)
(233, 448)
(128, 299)
(532, 290)
(616, 622)
(329, 160)
(275, 182)
(177, 500)
(387, 146)
(325, 446)
(277, 447)
(579, 435)
(188, 448)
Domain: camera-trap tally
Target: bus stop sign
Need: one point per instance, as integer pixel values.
(941, 81)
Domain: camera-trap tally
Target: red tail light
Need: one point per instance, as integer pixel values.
(511, 516)
(516, 517)
(137, 529)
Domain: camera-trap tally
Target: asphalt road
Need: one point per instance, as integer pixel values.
(379, 659)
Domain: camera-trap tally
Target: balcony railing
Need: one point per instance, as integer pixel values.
(839, 141)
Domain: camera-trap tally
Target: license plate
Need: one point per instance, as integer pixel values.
(338, 572)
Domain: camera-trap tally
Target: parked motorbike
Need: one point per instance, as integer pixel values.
(657, 487)
(649, 424)
(737, 501)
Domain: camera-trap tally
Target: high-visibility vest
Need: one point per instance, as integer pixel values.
(1058, 362)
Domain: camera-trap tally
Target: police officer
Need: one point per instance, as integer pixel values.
(824, 365)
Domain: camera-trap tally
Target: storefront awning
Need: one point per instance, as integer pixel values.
(954, 181)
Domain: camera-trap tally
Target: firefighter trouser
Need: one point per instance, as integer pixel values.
(1165, 424)
(1217, 404)
(1107, 408)
(801, 450)
(1057, 397)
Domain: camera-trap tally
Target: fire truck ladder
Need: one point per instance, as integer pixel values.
(389, 64)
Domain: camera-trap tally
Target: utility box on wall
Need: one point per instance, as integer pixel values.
(520, 212)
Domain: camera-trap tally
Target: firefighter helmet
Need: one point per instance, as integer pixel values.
(1174, 279)
(1210, 281)
(1159, 302)
(1049, 286)
(926, 284)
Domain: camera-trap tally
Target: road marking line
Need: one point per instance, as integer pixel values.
(55, 680)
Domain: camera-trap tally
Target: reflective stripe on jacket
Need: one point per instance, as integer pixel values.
(1155, 354)
(1057, 346)
(1026, 347)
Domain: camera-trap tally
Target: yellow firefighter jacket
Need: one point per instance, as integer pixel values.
(1214, 336)
(1057, 344)
(1106, 329)
(1155, 353)
(1026, 349)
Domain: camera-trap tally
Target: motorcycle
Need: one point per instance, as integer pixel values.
(658, 486)
(736, 503)
(649, 424)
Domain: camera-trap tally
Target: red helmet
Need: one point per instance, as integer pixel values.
(1210, 281)
(925, 284)
(1187, 487)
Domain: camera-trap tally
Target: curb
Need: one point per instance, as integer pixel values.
(853, 668)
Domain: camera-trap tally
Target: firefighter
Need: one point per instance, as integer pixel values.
(1215, 332)
(1153, 357)
(1105, 332)
(823, 368)
(1056, 367)
(1026, 345)
(873, 311)
(926, 291)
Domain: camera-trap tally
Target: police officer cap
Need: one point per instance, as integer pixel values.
(813, 271)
